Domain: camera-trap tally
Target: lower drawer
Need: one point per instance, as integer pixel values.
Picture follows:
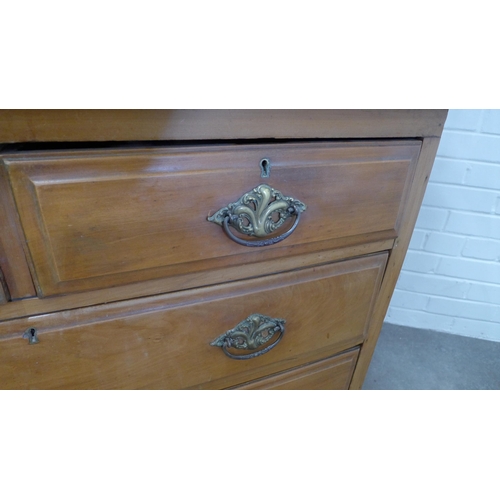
(328, 374)
(164, 342)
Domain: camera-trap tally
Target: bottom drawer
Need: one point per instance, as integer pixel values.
(164, 342)
(328, 374)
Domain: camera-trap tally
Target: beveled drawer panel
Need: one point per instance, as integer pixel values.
(99, 219)
(164, 341)
(328, 374)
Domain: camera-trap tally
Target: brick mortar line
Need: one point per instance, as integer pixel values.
(446, 315)
(461, 210)
(467, 186)
(453, 278)
(465, 160)
(454, 299)
(460, 257)
(469, 159)
(480, 238)
(473, 132)
(439, 208)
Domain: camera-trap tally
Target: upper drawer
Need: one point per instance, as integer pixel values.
(95, 219)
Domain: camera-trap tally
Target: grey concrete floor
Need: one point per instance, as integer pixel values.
(410, 358)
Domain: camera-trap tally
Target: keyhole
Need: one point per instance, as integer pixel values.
(265, 167)
(31, 335)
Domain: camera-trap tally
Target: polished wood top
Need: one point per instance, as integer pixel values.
(179, 125)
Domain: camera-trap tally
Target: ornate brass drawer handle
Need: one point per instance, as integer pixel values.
(259, 213)
(251, 334)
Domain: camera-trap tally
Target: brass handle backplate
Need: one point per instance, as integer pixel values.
(258, 213)
(250, 334)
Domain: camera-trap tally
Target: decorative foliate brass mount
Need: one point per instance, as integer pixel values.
(258, 213)
(251, 334)
(31, 335)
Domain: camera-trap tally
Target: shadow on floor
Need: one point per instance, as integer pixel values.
(410, 358)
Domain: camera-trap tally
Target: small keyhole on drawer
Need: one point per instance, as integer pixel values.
(265, 167)
(31, 335)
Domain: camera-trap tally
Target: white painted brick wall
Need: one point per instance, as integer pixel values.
(450, 280)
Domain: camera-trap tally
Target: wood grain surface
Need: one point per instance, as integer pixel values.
(106, 251)
(96, 220)
(164, 341)
(311, 257)
(328, 374)
(4, 290)
(207, 124)
(13, 261)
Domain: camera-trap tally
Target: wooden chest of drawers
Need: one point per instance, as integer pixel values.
(203, 249)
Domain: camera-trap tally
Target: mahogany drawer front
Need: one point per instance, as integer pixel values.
(164, 341)
(105, 218)
(328, 374)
